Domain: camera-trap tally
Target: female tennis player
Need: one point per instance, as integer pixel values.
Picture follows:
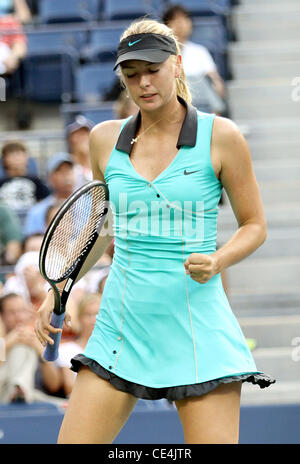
(165, 328)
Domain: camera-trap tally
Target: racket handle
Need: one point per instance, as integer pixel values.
(51, 351)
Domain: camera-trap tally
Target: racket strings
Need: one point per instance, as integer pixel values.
(74, 233)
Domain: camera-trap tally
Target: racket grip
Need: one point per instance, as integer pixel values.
(51, 351)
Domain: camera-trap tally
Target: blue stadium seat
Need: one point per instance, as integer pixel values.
(210, 32)
(68, 11)
(225, 4)
(92, 81)
(99, 114)
(103, 43)
(49, 77)
(96, 113)
(156, 8)
(116, 9)
(51, 38)
(204, 7)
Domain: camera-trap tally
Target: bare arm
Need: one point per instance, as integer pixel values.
(217, 82)
(98, 145)
(238, 178)
(51, 376)
(101, 144)
(17, 53)
(22, 11)
(19, 49)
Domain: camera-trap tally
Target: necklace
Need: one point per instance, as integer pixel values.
(134, 140)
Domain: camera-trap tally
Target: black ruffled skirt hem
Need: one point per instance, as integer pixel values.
(169, 393)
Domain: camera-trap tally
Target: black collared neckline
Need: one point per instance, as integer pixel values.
(187, 136)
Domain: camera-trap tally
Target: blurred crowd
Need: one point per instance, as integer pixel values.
(29, 200)
(28, 203)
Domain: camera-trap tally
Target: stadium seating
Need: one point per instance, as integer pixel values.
(103, 43)
(94, 112)
(210, 32)
(224, 4)
(49, 76)
(92, 81)
(52, 38)
(204, 7)
(116, 9)
(53, 55)
(68, 11)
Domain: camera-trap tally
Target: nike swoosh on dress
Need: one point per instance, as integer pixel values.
(186, 173)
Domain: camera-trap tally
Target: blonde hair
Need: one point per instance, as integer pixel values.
(150, 26)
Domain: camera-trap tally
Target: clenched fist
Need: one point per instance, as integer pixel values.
(201, 267)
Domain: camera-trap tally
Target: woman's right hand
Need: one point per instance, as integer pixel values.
(42, 324)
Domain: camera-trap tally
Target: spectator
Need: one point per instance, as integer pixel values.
(13, 50)
(13, 44)
(10, 236)
(22, 11)
(77, 134)
(23, 354)
(93, 281)
(19, 190)
(51, 211)
(87, 311)
(16, 160)
(197, 61)
(61, 178)
(32, 243)
(27, 280)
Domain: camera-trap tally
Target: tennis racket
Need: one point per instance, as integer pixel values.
(67, 242)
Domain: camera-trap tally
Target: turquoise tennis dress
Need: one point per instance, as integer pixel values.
(159, 333)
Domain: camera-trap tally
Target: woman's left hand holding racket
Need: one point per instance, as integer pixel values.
(43, 327)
